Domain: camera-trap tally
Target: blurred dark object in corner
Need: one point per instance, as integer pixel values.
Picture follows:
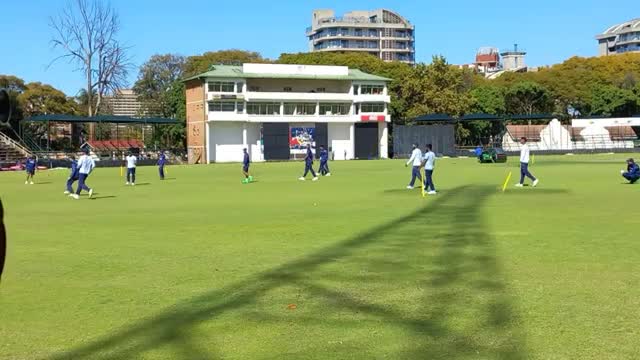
(3, 240)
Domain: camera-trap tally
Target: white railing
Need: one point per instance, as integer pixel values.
(14, 144)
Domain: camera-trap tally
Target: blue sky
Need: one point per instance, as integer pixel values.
(549, 30)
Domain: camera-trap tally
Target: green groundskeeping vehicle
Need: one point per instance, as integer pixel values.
(493, 155)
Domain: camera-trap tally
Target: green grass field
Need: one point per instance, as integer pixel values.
(350, 267)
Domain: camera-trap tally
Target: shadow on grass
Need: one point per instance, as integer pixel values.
(102, 197)
(428, 283)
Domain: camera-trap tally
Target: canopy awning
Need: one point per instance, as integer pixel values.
(434, 118)
(62, 118)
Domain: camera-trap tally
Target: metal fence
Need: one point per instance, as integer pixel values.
(440, 136)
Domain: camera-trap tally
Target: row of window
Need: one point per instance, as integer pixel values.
(362, 33)
(228, 88)
(273, 108)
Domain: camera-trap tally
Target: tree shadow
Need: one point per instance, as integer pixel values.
(431, 276)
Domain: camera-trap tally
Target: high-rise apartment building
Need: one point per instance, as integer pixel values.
(620, 38)
(382, 33)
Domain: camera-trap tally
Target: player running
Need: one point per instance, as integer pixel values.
(73, 176)
(429, 163)
(85, 167)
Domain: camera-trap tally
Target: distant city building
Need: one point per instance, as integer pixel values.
(493, 63)
(123, 103)
(382, 33)
(513, 60)
(620, 38)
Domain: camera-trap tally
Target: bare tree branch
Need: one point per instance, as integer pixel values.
(86, 32)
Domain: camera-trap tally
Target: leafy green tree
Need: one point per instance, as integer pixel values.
(528, 98)
(200, 63)
(609, 100)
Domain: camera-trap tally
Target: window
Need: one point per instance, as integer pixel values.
(371, 108)
(239, 87)
(306, 109)
(287, 89)
(355, 89)
(254, 88)
(372, 89)
(219, 86)
(321, 90)
(240, 107)
(289, 109)
(334, 109)
(263, 108)
(222, 106)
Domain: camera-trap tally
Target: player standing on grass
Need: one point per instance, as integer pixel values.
(324, 162)
(633, 171)
(416, 161)
(73, 176)
(246, 161)
(162, 160)
(429, 160)
(30, 167)
(131, 169)
(524, 164)
(85, 167)
(308, 165)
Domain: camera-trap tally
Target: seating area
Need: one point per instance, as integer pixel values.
(115, 145)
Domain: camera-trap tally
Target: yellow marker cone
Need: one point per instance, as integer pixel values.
(506, 182)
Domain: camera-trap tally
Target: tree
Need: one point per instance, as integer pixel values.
(161, 91)
(86, 32)
(200, 63)
(528, 98)
(435, 88)
(609, 100)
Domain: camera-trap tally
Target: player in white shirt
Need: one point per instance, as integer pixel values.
(416, 161)
(524, 164)
(131, 168)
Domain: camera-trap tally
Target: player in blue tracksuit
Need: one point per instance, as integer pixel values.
(30, 167)
(162, 160)
(633, 171)
(73, 176)
(324, 162)
(308, 165)
(246, 162)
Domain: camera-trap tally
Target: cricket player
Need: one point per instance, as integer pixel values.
(633, 171)
(324, 162)
(73, 176)
(131, 169)
(416, 161)
(162, 160)
(429, 163)
(308, 165)
(246, 161)
(30, 166)
(85, 167)
(524, 164)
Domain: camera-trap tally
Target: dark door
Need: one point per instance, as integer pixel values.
(276, 141)
(366, 141)
(322, 136)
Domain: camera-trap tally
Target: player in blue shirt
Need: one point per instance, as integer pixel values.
(246, 161)
(308, 165)
(73, 176)
(633, 171)
(30, 167)
(324, 162)
(162, 160)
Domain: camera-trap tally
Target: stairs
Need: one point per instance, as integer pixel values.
(12, 151)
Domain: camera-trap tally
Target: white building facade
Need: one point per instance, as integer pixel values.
(275, 110)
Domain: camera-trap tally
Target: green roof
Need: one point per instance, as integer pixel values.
(63, 118)
(235, 72)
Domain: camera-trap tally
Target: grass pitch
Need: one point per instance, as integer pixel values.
(354, 266)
